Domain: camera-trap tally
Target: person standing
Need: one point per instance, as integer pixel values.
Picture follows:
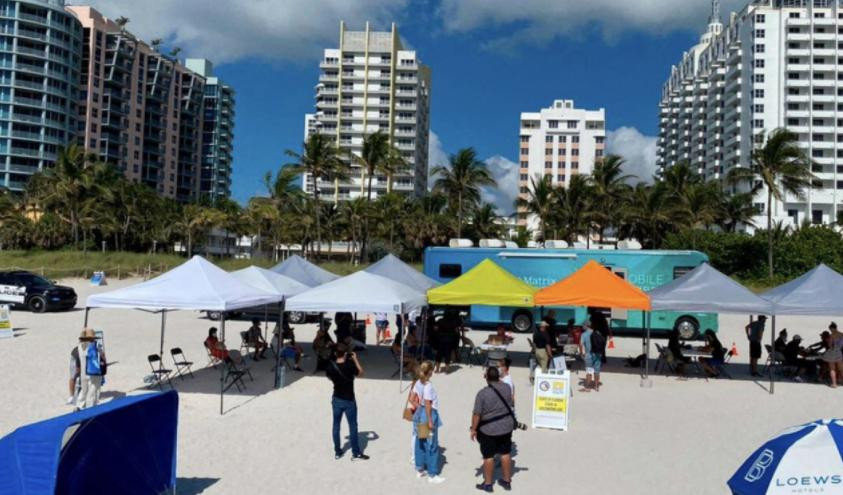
(503, 368)
(91, 370)
(834, 355)
(598, 355)
(541, 340)
(342, 373)
(755, 333)
(492, 424)
(585, 351)
(426, 422)
(74, 374)
(381, 324)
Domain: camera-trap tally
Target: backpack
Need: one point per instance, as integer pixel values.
(598, 343)
(93, 361)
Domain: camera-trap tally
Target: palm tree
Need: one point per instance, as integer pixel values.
(354, 213)
(608, 185)
(156, 43)
(462, 181)
(783, 168)
(389, 212)
(484, 222)
(699, 207)
(373, 156)
(539, 201)
(736, 210)
(394, 164)
(572, 215)
(121, 22)
(321, 161)
(649, 213)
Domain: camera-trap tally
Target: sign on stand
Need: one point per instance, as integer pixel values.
(552, 400)
(6, 322)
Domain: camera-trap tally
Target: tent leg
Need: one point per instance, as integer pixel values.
(278, 344)
(163, 324)
(265, 321)
(222, 368)
(645, 381)
(85, 324)
(772, 367)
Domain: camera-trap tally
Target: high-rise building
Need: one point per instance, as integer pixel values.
(558, 142)
(142, 110)
(370, 84)
(217, 132)
(775, 64)
(40, 50)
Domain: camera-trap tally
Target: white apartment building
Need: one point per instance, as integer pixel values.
(560, 141)
(775, 64)
(370, 84)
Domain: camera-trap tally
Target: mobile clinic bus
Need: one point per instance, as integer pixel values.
(543, 267)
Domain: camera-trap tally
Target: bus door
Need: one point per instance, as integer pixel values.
(619, 315)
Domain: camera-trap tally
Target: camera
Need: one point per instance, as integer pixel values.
(521, 426)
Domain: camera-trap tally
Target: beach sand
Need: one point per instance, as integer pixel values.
(677, 436)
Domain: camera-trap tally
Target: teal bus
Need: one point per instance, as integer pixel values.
(543, 267)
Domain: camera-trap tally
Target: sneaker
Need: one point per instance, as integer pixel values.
(436, 479)
(337, 455)
(421, 474)
(798, 379)
(360, 457)
(484, 487)
(70, 400)
(506, 485)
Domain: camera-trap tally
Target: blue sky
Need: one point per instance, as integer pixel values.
(490, 59)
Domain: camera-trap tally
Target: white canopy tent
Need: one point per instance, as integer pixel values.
(196, 285)
(362, 291)
(303, 271)
(816, 293)
(393, 268)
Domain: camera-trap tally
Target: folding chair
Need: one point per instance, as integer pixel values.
(234, 376)
(470, 353)
(181, 362)
(721, 368)
(160, 373)
(664, 361)
(213, 361)
(776, 360)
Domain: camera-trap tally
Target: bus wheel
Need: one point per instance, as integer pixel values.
(688, 328)
(522, 321)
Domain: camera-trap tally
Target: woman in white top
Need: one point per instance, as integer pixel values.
(427, 414)
(503, 367)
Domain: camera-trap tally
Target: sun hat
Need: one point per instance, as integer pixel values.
(87, 335)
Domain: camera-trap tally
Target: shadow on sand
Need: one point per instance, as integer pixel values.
(194, 486)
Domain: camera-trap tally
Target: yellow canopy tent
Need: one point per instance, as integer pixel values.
(487, 284)
(593, 286)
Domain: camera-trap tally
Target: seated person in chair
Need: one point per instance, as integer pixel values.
(678, 359)
(254, 337)
(499, 337)
(289, 349)
(781, 342)
(218, 350)
(718, 354)
(793, 356)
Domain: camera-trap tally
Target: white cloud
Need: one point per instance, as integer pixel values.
(539, 21)
(503, 170)
(225, 31)
(638, 150)
(505, 173)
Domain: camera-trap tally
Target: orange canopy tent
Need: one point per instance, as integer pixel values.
(593, 286)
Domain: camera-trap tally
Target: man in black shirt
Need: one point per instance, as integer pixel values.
(541, 340)
(342, 373)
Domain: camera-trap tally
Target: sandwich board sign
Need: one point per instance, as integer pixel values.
(5, 322)
(552, 400)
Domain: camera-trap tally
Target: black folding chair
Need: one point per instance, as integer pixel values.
(181, 362)
(159, 373)
(234, 376)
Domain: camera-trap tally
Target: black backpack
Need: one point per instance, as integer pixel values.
(598, 343)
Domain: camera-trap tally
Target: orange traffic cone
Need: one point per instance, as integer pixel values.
(611, 343)
(368, 320)
(734, 351)
(386, 334)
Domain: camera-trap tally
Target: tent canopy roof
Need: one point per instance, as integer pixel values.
(593, 286)
(195, 285)
(394, 269)
(269, 281)
(303, 271)
(704, 289)
(127, 445)
(815, 293)
(360, 292)
(487, 284)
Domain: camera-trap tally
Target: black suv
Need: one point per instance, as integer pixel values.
(41, 294)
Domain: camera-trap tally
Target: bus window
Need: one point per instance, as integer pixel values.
(679, 271)
(450, 271)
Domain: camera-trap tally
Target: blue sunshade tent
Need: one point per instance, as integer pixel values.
(706, 290)
(817, 293)
(396, 270)
(303, 271)
(125, 446)
(804, 459)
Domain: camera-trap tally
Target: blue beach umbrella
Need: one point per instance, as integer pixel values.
(803, 459)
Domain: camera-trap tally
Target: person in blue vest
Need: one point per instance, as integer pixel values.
(91, 369)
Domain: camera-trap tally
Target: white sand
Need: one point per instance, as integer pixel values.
(679, 436)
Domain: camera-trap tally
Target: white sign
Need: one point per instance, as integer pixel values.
(12, 294)
(5, 322)
(552, 400)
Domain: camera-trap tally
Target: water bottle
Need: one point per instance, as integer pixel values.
(282, 376)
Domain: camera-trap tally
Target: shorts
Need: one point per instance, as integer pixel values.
(754, 349)
(494, 445)
(596, 362)
(381, 324)
(289, 352)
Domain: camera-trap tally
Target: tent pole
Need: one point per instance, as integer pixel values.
(163, 324)
(773, 356)
(265, 320)
(646, 314)
(278, 342)
(222, 368)
(87, 310)
(401, 362)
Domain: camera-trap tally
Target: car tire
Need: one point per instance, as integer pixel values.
(296, 317)
(37, 304)
(214, 315)
(688, 328)
(522, 321)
